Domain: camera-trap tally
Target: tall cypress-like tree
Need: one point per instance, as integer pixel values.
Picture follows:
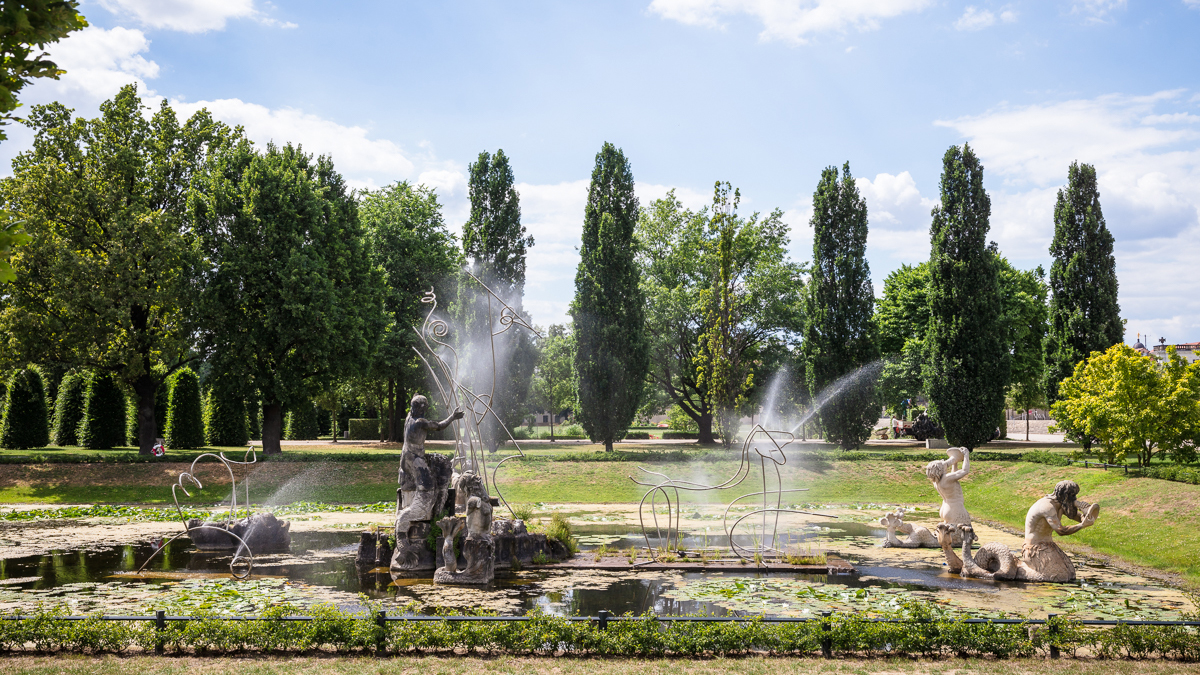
(1084, 314)
(25, 424)
(968, 367)
(611, 353)
(68, 409)
(103, 423)
(225, 415)
(185, 415)
(839, 335)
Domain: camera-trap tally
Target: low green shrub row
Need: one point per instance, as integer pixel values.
(645, 636)
(637, 436)
(140, 513)
(364, 429)
(1181, 474)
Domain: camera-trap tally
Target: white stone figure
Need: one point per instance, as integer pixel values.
(916, 535)
(946, 479)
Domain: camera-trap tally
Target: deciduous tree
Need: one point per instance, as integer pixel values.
(553, 385)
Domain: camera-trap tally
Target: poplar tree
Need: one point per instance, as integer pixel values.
(103, 423)
(608, 312)
(968, 367)
(839, 335)
(225, 415)
(1084, 314)
(68, 409)
(185, 415)
(25, 424)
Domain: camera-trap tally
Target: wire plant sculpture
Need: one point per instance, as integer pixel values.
(238, 559)
(442, 360)
(767, 446)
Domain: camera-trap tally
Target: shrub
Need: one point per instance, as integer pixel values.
(253, 419)
(678, 420)
(25, 424)
(225, 417)
(637, 436)
(301, 424)
(68, 409)
(560, 529)
(363, 429)
(103, 423)
(185, 415)
(681, 435)
(1043, 457)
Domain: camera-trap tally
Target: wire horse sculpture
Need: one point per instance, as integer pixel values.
(468, 437)
(238, 558)
(769, 459)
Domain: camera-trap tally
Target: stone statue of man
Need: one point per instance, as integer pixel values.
(945, 479)
(1044, 518)
(418, 490)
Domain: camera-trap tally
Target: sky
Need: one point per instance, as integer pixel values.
(761, 93)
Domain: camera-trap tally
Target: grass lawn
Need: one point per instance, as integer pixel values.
(529, 665)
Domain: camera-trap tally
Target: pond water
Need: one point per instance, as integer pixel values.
(321, 569)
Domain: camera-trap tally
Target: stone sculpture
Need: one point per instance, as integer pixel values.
(424, 487)
(916, 535)
(478, 547)
(1041, 559)
(261, 532)
(945, 479)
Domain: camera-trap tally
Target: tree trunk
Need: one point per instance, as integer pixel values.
(1027, 424)
(551, 426)
(389, 431)
(706, 429)
(272, 428)
(145, 388)
(608, 445)
(400, 409)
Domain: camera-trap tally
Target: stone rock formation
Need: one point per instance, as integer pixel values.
(478, 547)
(262, 533)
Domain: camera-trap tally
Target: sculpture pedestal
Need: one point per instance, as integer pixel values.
(479, 552)
(412, 553)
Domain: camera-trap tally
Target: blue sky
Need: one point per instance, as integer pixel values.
(762, 93)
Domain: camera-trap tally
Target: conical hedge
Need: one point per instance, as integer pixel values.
(103, 423)
(25, 424)
(253, 419)
(185, 416)
(68, 409)
(225, 417)
(301, 422)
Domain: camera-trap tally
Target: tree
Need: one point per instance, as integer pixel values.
(901, 324)
(68, 409)
(553, 386)
(608, 312)
(1084, 314)
(301, 422)
(109, 281)
(1024, 298)
(25, 424)
(24, 27)
(495, 243)
(675, 253)
(103, 423)
(185, 415)
(409, 242)
(291, 299)
(225, 415)
(839, 336)
(968, 367)
(1132, 404)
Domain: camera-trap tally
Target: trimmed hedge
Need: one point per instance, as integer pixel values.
(185, 415)
(637, 436)
(103, 423)
(301, 422)
(26, 423)
(364, 429)
(1180, 474)
(68, 409)
(225, 417)
(681, 435)
(254, 419)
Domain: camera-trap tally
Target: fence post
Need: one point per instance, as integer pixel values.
(602, 618)
(826, 637)
(1052, 631)
(160, 625)
(381, 635)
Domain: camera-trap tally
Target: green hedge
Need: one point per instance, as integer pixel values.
(26, 423)
(364, 429)
(681, 435)
(162, 398)
(301, 422)
(68, 409)
(637, 436)
(645, 636)
(185, 414)
(225, 416)
(103, 423)
(1181, 474)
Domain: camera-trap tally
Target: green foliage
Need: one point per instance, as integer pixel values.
(559, 529)
(225, 415)
(308, 312)
(25, 423)
(185, 415)
(301, 422)
(553, 385)
(364, 429)
(68, 409)
(968, 355)
(677, 420)
(12, 235)
(162, 401)
(1024, 299)
(1133, 405)
(839, 335)
(26, 28)
(608, 312)
(109, 280)
(1084, 316)
(103, 423)
(902, 322)
(493, 237)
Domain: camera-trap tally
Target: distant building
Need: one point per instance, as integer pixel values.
(1188, 350)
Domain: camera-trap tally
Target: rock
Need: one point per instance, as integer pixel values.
(261, 532)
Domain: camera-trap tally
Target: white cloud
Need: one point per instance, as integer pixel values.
(788, 20)
(100, 61)
(1096, 11)
(691, 199)
(1147, 161)
(978, 19)
(189, 16)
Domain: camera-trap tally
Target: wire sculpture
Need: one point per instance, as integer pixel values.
(238, 559)
(442, 361)
(769, 459)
